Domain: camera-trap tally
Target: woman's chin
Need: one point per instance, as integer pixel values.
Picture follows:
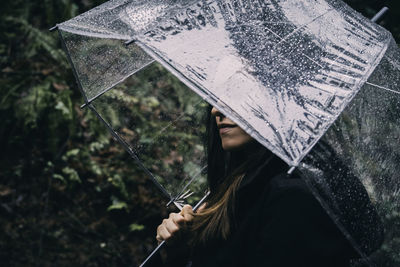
(233, 145)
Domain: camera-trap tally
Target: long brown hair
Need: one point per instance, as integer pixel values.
(224, 174)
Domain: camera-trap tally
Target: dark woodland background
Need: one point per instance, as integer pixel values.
(68, 196)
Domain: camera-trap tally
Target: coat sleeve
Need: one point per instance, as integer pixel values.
(294, 230)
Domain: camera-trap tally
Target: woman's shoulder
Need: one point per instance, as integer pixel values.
(283, 224)
(288, 198)
(283, 182)
(288, 186)
(290, 193)
(267, 186)
(264, 191)
(292, 219)
(283, 199)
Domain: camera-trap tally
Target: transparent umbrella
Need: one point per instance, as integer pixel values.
(312, 80)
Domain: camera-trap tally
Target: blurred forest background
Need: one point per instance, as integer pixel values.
(67, 193)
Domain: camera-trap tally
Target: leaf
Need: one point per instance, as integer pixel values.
(119, 183)
(118, 205)
(59, 177)
(33, 104)
(136, 227)
(95, 168)
(73, 152)
(40, 40)
(72, 174)
(65, 111)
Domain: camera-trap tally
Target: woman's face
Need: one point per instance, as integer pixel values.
(232, 136)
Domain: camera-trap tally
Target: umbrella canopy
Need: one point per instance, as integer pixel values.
(287, 72)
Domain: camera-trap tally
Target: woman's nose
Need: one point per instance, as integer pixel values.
(218, 115)
(215, 112)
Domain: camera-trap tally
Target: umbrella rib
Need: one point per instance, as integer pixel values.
(276, 22)
(120, 139)
(172, 122)
(376, 17)
(180, 195)
(78, 81)
(301, 27)
(384, 88)
(96, 78)
(169, 125)
(82, 29)
(130, 151)
(282, 39)
(115, 84)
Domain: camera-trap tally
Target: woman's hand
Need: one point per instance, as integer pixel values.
(170, 228)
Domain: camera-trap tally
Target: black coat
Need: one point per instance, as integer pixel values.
(279, 223)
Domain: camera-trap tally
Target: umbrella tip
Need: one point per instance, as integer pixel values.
(53, 28)
(129, 42)
(380, 14)
(84, 105)
(290, 171)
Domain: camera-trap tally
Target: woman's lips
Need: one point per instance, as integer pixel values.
(226, 128)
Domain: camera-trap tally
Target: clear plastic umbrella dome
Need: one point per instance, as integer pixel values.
(288, 72)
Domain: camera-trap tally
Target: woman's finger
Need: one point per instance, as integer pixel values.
(158, 238)
(171, 226)
(177, 218)
(162, 233)
(187, 213)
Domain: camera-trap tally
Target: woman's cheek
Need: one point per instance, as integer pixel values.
(235, 139)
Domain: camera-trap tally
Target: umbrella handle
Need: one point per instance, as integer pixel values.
(152, 253)
(163, 242)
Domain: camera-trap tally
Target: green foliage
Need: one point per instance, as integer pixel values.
(162, 121)
(136, 227)
(72, 174)
(117, 205)
(56, 160)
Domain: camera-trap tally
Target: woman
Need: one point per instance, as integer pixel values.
(256, 214)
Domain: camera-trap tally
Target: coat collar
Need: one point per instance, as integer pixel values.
(269, 167)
